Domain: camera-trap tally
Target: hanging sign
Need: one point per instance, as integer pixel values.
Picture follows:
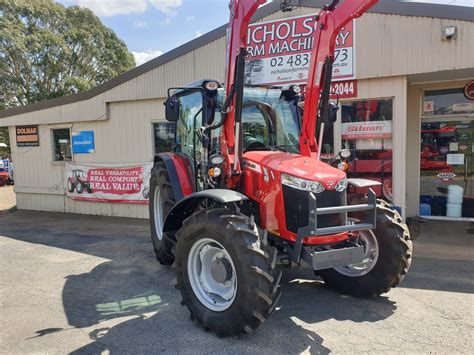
(279, 52)
(111, 183)
(83, 142)
(27, 136)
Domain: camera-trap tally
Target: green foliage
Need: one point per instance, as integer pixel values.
(48, 51)
(4, 138)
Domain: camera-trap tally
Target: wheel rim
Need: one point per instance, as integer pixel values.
(212, 274)
(371, 254)
(158, 211)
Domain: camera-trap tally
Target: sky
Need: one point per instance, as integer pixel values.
(153, 27)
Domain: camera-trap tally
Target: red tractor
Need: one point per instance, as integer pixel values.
(246, 190)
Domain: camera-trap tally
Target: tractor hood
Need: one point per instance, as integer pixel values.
(296, 165)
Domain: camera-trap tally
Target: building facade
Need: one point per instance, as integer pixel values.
(411, 74)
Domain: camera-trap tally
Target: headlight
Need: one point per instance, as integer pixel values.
(302, 184)
(341, 185)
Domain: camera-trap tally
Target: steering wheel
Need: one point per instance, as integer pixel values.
(251, 143)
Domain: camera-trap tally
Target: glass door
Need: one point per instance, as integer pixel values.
(447, 167)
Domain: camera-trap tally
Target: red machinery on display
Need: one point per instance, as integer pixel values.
(246, 190)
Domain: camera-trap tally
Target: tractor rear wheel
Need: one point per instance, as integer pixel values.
(162, 199)
(226, 271)
(387, 258)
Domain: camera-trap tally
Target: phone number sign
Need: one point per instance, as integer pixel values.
(279, 52)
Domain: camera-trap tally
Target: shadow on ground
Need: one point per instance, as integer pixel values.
(132, 284)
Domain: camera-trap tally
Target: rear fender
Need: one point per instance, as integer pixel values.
(180, 172)
(186, 207)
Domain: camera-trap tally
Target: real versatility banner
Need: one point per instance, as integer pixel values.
(279, 52)
(111, 183)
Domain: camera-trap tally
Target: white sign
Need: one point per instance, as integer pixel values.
(108, 183)
(367, 130)
(455, 159)
(279, 52)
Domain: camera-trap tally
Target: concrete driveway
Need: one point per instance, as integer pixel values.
(81, 284)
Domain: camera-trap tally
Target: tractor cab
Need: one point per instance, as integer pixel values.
(271, 117)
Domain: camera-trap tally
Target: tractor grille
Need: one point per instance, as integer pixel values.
(296, 208)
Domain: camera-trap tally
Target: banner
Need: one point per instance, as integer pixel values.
(279, 52)
(111, 183)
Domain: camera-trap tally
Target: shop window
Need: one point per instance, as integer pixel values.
(164, 136)
(62, 144)
(446, 102)
(447, 168)
(367, 132)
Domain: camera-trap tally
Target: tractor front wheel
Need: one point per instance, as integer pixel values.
(387, 258)
(226, 271)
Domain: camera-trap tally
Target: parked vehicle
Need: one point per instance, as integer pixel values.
(247, 190)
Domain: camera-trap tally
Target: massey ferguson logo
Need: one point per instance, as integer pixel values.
(330, 184)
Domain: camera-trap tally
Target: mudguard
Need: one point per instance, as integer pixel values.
(180, 172)
(184, 208)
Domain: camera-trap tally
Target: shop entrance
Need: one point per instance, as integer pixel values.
(447, 167)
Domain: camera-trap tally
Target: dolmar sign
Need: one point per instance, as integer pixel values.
(279, 52)
(27, 136)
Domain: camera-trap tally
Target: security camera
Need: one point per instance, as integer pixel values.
(449, 33)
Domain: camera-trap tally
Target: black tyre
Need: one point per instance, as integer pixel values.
(226, 271)
(162, 199)
(388, 255)
(79, 188)
(70, 186)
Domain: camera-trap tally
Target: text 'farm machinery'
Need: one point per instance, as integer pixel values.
(246, 190)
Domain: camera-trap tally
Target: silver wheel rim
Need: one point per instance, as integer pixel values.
(371, 255)
(212, 274)
(158, 211)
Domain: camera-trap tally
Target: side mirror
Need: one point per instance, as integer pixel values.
(332, 112)
(172, 109)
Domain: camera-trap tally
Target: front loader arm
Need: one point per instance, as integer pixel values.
(241, 12)
(330, 21)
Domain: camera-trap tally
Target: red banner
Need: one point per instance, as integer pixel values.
(108, 184)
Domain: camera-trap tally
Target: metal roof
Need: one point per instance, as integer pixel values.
(384, 7)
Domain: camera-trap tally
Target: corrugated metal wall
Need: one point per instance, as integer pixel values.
(388, 46)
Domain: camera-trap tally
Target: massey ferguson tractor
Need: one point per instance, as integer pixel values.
(246, 191)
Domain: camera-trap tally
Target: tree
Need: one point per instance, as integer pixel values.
(48, 51)
(4, 138)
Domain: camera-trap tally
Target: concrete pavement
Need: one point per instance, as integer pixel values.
(78, 284)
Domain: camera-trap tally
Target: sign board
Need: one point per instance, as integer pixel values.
(27, 136)
(111, 183)
(279, 52)
(367, 130)
(344, 89)
(469, 90)
(455, 159)
(83, 142)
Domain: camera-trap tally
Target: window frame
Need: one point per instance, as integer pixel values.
(53, 149)
(153, 123)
